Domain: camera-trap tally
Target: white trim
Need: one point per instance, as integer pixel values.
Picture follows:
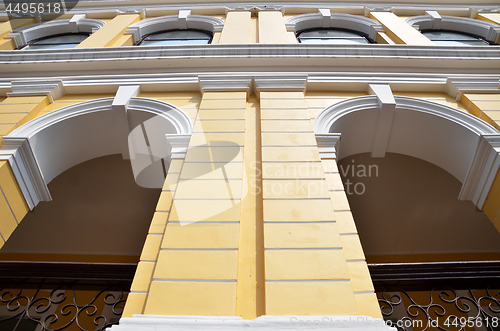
(456, 86)
(179, 144)
(33, 174)
(23, 35)
(52, 88)
(483, 170)
(18, 152)
(262, 323)
(218, 83)
(120, 104)
(281, 82)
(346, 21)
(483, 166)
(387, 106)
(328, 145)
(487, 30)
(173, 22)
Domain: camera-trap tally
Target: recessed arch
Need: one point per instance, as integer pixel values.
(444, 136)
(174, 22)
(23, 35)
(489, 31)
(74, 134)
(361, 24)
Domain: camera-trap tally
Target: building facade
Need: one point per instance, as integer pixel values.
(230, 152)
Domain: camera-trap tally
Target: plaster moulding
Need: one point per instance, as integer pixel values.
(53, 88)
(482, 171)
(17, 151)
(172, 22)
(23, 35)
(324, 19)
(431, 21)
(29, 173)
(456, 86)
(485, 162)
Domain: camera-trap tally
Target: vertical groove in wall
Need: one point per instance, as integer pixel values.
(250, 293)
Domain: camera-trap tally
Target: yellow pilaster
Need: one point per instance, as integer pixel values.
(489, 17)
(197, 264)
(237, 28)
(16, 111)
(272, 28)
(400, 31)
(13, 207)
(250, 291)
(307, 259)
(111, 33)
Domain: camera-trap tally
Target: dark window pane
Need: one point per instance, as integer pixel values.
(338, 41)
(173, 42)
(179, 34)
(67, 38)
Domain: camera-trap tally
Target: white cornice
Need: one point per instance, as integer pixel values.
(253, 57)
(217, 83)
(179, 144)
(456, 86)
(54, 88)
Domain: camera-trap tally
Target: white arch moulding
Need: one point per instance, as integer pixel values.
(324, 19)
(454, 140)
(182, 21)
(48, 145)
(487, 30)
(78, 23)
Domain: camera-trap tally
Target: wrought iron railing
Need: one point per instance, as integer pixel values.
(38, 296)
(439, 296)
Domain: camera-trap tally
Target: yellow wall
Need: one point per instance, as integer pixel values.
(272, 28)
(112, 33)
(400, 31)
(238, 28)
(13, 207)
(484, 106)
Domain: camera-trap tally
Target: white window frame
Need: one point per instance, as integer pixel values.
(78, 24)
(183, 21)
(325, 20)
(433, 21)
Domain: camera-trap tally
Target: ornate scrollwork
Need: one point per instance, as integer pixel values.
(446, 309)
(59, 308)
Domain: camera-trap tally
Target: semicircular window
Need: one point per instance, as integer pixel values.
(332, 36)
(453, 38)
(177, 37)
(70, 40)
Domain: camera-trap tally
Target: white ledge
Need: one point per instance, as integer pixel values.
(262, 323)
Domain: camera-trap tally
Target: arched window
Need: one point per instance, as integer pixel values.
(176, 37)
(54, 34)
(332, 36)
(453, 38)
(69, 40)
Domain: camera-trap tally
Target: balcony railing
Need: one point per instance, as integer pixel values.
(439, 296)
(42, 296)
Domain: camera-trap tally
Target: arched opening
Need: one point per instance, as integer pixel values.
(421, 242)
(80, 250)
